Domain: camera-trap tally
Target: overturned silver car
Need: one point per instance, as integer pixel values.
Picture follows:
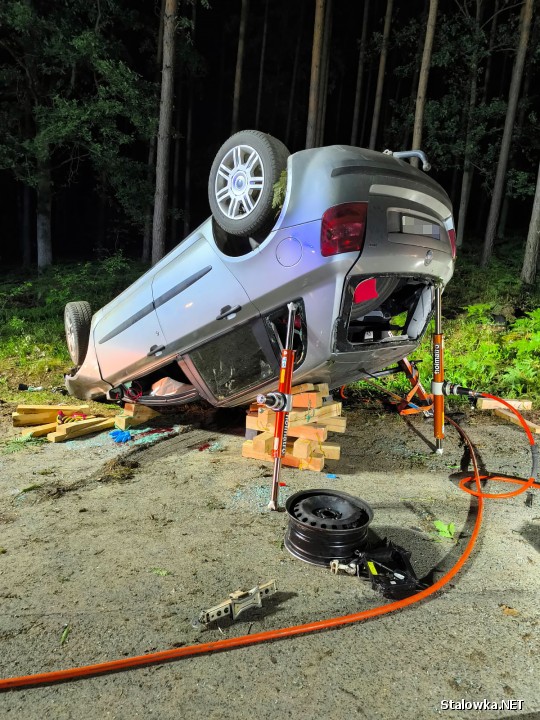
(360, 243)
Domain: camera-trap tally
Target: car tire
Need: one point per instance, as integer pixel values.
(241, 182)
(77, 320)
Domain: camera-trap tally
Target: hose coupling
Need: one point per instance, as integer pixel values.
(277, 401)
(454, 389)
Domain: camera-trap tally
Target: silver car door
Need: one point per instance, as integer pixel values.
(127, 333)
(197, 297)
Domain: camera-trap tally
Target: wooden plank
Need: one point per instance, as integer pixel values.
(313, 431)
(66, 409)
(322, 388)
(331, 451)
(315, 463)
(264, 442)
(489, 404)
(85, 427)
(508, 415)
(36, 418)
(124, 422)
(305, 387)
(334, 424)
(39, 430)
(308, 400)
(304, 448)
(142, 412)
(265, 422)
(304, 416)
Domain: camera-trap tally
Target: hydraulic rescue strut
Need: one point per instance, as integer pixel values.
(281, 403)
(438, 375)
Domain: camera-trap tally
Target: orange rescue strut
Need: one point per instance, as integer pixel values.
(438, 375)
(281, 403)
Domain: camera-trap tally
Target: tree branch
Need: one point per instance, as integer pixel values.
(23, 66)
(508, 7)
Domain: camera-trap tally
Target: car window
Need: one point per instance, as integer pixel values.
(240, 359)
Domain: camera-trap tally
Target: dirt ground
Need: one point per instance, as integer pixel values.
(112, 550)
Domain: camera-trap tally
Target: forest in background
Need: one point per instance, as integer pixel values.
(80, 109)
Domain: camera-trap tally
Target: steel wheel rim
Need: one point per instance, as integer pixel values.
(239, 182)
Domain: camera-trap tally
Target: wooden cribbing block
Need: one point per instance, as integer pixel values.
(35, 418)
(489, 404)
(306, 387)
(39, 430)
(303, 448)
(139, 411)
(45, 415)
(308, 400)
(313, 431)
(66, 409)
(508, 415)
(303, 416)
(263, 442)
(316, 462)
(84, 427)
(135, 415)
(334, 424)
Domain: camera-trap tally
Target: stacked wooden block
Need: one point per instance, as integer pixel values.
(313, 416)
(66, 422)
(502, 411)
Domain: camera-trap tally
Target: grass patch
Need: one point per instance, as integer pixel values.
(32, 341)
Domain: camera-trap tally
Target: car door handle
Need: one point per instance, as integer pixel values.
(155, 350)
(228, 310)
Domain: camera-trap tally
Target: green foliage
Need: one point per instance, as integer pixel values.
(280, 190)
(444, 530)
(32, 342)
(71, 96)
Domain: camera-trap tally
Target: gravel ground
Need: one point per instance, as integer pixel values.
(111, 551)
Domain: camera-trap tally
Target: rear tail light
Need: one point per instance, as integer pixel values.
(343, 229)
(452, 238)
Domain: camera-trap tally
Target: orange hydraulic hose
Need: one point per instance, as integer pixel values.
(286, 632)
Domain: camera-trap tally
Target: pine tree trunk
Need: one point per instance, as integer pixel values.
(380, 76)
(159, 225)
(314, 84)
(239, 63)
(360, 75)
(292, 95)
(367, 106)
(423, 80)
(43, 215)
(189, 141)
(517, 72)
(187, 175)
(147, 232)
(177, 137)
(325, 63)
(261, 67)
(492, 36)
(468, 168)
(26, 236)
(530, 261)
